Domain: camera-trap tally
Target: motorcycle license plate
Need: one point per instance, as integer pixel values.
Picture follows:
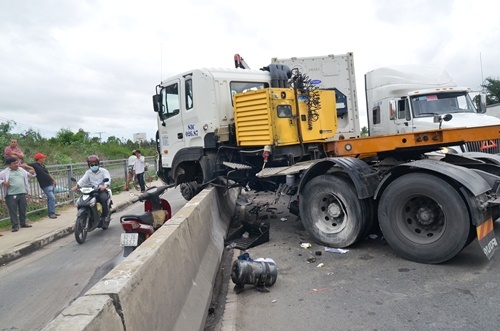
(129, 239)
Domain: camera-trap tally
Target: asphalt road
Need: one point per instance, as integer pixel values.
(36, 288)
(367, 288)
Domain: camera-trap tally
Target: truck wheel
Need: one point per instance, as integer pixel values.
(423, 218)
(189, 190)
(331, 211)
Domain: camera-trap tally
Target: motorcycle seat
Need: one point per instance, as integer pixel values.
(146, 218)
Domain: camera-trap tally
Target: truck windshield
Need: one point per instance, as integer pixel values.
(441, 103)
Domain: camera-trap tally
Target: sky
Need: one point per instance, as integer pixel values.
(94, 65)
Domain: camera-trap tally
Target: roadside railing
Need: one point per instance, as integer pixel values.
(63, 173)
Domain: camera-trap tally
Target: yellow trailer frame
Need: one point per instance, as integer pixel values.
(425, 140)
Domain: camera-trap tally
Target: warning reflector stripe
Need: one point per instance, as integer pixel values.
(484, 229)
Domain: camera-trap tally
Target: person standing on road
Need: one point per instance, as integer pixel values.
(14, 151)
(139, 170)
(14, 182)
(130, 170)
(47, 183)
(95, 176)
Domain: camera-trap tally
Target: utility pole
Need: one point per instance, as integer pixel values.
(100, 134)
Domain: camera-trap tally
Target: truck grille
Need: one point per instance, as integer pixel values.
(488, 146)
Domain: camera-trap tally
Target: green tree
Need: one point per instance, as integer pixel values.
(492, 87)
(67, 137)
(364, 131)
(70, 147)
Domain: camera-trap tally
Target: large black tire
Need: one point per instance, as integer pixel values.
(81, 228)
(331, 211)
(423, 218)
(189, 190)
(369, 216)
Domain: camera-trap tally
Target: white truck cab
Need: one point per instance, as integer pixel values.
(416, 98)
(195, 111)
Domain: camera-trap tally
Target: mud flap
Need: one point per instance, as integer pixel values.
(486, 238)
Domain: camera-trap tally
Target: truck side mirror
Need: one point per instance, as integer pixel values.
(156, 102)
(481, 103)
(407, 110)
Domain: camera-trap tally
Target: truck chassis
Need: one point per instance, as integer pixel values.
(429, 205)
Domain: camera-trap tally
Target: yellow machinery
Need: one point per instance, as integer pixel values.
(273, 116)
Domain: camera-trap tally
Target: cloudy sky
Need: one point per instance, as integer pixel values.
(95, 64)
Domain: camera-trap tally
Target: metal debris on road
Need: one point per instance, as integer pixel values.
(336, 250)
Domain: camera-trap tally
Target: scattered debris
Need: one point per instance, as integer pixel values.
(274, 301)
(311, 260)
(283, 219)
(305, 245)
(318, 253)
(257, 234)
(318, 290)
(336, 250)
(320, 265)
(373, 236)
(242, 200)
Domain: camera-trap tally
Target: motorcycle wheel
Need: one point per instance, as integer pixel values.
(81, 228)
(127, 250)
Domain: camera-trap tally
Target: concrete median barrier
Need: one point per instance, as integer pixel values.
(166, 283)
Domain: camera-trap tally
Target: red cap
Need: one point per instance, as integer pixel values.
(39, 156)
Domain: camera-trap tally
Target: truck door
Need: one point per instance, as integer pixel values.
(172, 131)
(400, 116)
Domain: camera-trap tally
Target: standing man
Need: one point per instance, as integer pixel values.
(130, 170)
(14, 181)
(139, 170)
(13, 151)
(47, 183)
(95, 176)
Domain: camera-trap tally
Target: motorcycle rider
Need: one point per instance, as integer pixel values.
(95, 176)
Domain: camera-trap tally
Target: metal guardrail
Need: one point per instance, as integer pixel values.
(63, 173)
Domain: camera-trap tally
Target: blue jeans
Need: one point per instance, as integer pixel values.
(140, 179)
(51, 199)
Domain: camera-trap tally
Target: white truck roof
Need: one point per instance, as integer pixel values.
(397, 81)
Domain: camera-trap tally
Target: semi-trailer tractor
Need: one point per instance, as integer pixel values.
(277, 129)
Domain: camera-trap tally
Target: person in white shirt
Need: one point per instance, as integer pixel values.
(139, 170)
(95, 176)
(130, 170)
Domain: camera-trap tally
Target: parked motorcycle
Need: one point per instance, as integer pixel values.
(138, 228)
(89, 211)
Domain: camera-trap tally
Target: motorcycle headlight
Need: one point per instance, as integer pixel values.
(86, 190)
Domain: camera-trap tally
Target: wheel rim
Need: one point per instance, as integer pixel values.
(332, 215)
(422, 220)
